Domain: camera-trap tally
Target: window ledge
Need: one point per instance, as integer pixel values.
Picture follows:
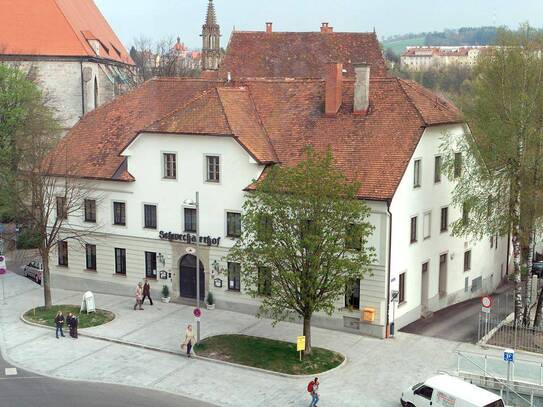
(63, 266)
(119, 275)
(90, 271)
(232, 291)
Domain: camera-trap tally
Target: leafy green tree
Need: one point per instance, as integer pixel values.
(304, 240)
(501, 154)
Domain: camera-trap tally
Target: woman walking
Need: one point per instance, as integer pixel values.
(139, 296)
(59, 322)
(190, 341)
(147, 292)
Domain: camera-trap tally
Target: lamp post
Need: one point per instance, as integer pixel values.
(196, 204)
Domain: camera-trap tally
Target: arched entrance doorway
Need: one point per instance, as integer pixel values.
(187, 278)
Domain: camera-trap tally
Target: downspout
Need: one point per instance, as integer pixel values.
(387, 323)
(82, 91)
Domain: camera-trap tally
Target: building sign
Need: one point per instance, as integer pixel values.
(163, 275)
(189, 238)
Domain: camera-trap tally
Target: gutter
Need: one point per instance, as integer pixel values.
(387, 322)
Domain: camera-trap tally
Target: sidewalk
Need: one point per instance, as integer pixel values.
(375, 374)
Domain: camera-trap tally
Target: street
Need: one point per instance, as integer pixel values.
(458, 322)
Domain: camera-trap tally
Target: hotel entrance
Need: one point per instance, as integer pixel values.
(187, 278)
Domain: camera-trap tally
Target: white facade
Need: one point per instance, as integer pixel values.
(237, 170)
(425, 58)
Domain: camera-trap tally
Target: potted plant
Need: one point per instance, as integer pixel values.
(165, 293)
(210, 303)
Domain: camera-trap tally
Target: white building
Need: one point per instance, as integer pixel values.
(425, 58)
(150, 151)
(71, 51)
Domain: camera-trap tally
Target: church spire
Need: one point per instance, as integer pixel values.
(211, 38)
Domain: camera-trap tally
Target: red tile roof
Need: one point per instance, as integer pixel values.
(299, 54)
(274, 119)
(57, 28)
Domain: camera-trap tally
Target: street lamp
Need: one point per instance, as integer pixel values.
(196, 204)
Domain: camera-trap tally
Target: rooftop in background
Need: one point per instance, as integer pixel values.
(59, 28)
(252, 54)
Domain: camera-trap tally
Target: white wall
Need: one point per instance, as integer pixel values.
(409, 257)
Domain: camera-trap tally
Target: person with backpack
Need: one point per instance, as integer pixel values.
(313, 388)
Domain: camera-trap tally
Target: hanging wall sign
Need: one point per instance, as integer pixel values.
(217, 283)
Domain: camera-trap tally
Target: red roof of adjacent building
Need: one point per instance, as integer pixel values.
(299, 54)
(57, 28)
(273, 119)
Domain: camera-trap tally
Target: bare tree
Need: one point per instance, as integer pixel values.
(37, 180)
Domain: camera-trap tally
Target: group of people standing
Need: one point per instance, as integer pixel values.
(143, 290)
(71, 320)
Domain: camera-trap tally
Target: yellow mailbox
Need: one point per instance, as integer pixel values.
(368, 314)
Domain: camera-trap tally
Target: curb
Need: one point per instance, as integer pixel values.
(176, 353)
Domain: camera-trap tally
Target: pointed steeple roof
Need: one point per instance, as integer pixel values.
(211, 18)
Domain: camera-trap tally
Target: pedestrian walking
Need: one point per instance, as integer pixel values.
(190, 341)
(147, 292)
(313, 389)
(59, 322)
(139, 296)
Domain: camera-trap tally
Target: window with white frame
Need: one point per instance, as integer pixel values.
(149, 216)
(437, 169)
(413, 231)
(213, 168)
(427, 225)
(416, 174)
(170, 165)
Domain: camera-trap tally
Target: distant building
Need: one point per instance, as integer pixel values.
(425, 58)
(211, 41)
(71, 50)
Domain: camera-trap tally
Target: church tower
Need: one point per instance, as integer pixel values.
(211, 36)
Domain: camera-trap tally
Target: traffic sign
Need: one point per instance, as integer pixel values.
(486, 301)
(509, 355)
(485, 310)
(197, 312)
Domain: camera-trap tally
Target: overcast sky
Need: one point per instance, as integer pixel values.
(158, 19)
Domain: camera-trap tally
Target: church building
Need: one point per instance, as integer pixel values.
(68, 47)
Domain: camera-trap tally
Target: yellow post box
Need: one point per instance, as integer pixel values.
(368, 314)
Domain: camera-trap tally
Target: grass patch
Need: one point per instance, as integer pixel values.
(47, 317)
(267, 354)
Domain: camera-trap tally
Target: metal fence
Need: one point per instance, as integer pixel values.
(507, 334)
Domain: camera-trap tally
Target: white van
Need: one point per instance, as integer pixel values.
(448, 391)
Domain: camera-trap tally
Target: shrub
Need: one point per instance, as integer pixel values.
(210, 299)
(165, 291)
(28, 239)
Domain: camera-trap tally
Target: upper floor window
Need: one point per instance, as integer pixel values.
(427, 225)
(233, 224)
(465, 213)
(119, 213)
(413, 232)
(457, 165)
(437, 169)
(63, 253)
(264, 281)
(353, 239)
(90, 210)
(170, 165)
(416, 174)
(149, 216)
(467, 260)
(213, 168)
(62, 212)
(190, 220)
(401, 288)
(444, 219)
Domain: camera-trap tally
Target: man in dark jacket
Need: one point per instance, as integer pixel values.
(59, 322)
(147, 291)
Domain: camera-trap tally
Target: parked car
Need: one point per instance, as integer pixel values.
(537, 269)
(444, 390)
(34, 270)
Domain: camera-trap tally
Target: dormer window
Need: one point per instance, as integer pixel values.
(95, 44)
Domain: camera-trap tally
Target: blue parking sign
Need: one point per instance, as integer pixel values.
(508, 355)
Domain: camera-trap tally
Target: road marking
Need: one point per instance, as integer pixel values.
(11, 371)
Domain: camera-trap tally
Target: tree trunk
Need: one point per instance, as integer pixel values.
(307, 334)
(528, 294)
(539, 311)
(46, 278)
(516, 273)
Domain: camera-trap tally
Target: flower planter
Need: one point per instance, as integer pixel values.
(210, 306)
(166, 299)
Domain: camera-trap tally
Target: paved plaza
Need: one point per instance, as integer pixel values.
(375, 373)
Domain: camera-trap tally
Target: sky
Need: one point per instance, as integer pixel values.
(160, 19)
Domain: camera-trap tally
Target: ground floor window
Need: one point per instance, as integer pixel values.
(120, 261)
(234, 276)
(150, 265)
(402, 288)
(91, 256)
(63, 253)
(352, 294)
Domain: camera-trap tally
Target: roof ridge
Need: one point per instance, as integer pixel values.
(223, 110)
(276, 156)
(410, 100)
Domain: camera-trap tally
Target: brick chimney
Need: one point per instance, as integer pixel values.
(325, 28)
(361, 88)
(269, 27)
(334, 89)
